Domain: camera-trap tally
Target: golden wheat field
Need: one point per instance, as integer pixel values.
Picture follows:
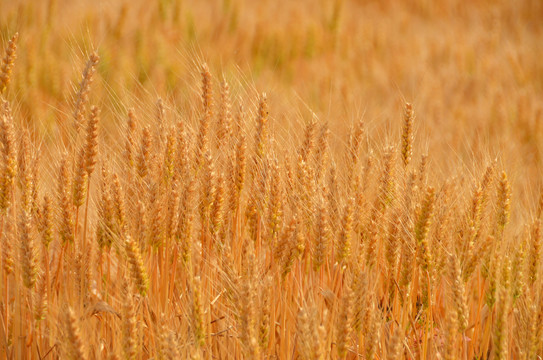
(237, 179)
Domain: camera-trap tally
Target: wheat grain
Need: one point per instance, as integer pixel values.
(7, 62)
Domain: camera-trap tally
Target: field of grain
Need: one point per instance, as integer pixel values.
(237, 179)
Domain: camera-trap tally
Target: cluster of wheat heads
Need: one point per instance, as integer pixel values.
(219, 241)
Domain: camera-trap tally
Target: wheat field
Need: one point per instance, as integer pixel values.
(236, 179)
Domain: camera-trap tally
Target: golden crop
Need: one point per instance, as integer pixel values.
(271, 179)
